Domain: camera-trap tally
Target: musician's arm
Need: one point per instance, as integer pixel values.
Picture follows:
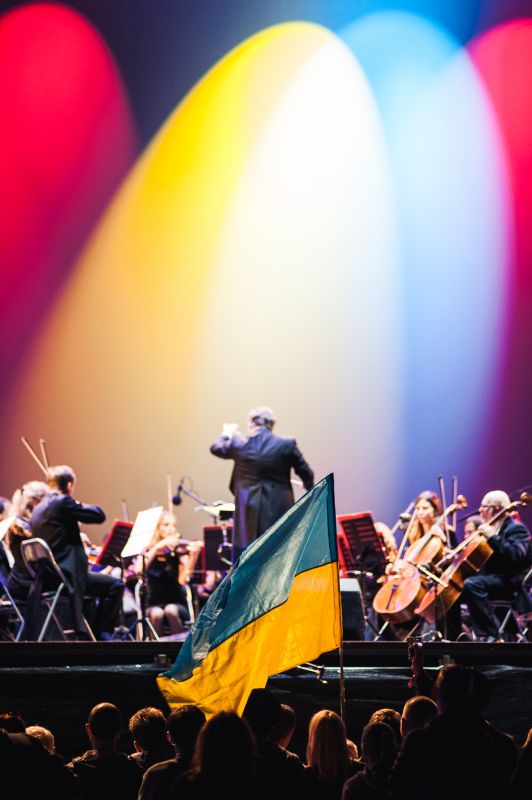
(229, 440)
(515, 548)
(301, 467)
(82, 512)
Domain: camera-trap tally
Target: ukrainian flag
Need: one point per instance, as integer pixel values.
(278, 607)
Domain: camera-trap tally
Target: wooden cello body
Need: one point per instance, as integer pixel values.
(441, 596)
(397, 599)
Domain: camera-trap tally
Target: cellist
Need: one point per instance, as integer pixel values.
(427, 544)
(424, 525)
(502, 574)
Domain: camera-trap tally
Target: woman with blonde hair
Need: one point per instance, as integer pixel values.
(167, 565)
(329, 763)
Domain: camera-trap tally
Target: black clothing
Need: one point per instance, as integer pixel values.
(500, 578)
(233, 785)
(319, 790)
(107, 775)
(56, 520)
(19, 579)
(32, 771)
(163, 582)
(108, 591)
(452, 756)
(147, 758)
(280, 771)
(158, 779)
(367, 785)
(260, 480)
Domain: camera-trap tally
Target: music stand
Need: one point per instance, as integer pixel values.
(222, 514)
(362, 553)
(139, 539)
(110, 554)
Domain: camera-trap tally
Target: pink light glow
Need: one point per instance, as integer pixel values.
(66, 141)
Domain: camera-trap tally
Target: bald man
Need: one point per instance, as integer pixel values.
(501, 576)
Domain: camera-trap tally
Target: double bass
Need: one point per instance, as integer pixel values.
(466, 560)
(403, 591)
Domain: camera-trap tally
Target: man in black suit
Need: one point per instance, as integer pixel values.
(56, 520)
(260, 480)
(501, 577)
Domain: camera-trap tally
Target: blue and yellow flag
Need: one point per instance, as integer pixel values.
(278, 607)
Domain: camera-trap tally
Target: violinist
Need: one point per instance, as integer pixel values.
(56, 520)
(501, 576)
(168, 562)
(24, 500)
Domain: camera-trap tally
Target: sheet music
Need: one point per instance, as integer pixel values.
(141, 534)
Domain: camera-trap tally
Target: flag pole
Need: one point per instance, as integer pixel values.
(341, 648)
(341, 652)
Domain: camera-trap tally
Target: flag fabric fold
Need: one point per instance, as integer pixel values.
(278, 607)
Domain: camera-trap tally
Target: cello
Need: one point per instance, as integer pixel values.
(467, 560)
(402, 593)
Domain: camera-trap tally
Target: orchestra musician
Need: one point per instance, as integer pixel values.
(471, 525)
(167, 564)
(260, 480)
(423, 524)
(56, 520)
(427, 542)
(502, 574)
(24, 501)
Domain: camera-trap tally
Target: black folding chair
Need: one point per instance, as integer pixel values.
(44, 569)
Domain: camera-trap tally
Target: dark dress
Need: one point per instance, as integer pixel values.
(164, 586)
(260, 480)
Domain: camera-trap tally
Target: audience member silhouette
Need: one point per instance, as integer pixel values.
(147, 726)
(284, 729)
(521, 780)
(391, 718)
(30, 771)
(223, 763)
(184, 725)
(281, 771)
(417, 712)
(328, 761)
(103, 771)
(452, 756)
(12, 723)
(379, 748)
(45, 737)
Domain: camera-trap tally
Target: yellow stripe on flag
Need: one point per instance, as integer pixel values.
(300, 629)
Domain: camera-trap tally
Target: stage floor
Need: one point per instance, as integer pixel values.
(56, 684)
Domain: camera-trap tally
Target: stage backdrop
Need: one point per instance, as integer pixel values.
(209, 206)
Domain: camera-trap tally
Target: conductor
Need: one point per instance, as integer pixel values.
(260, 480)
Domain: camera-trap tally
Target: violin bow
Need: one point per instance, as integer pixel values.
(169, 493)
(444, 510)
(34, 455)
(454, 480)
(46, 460)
